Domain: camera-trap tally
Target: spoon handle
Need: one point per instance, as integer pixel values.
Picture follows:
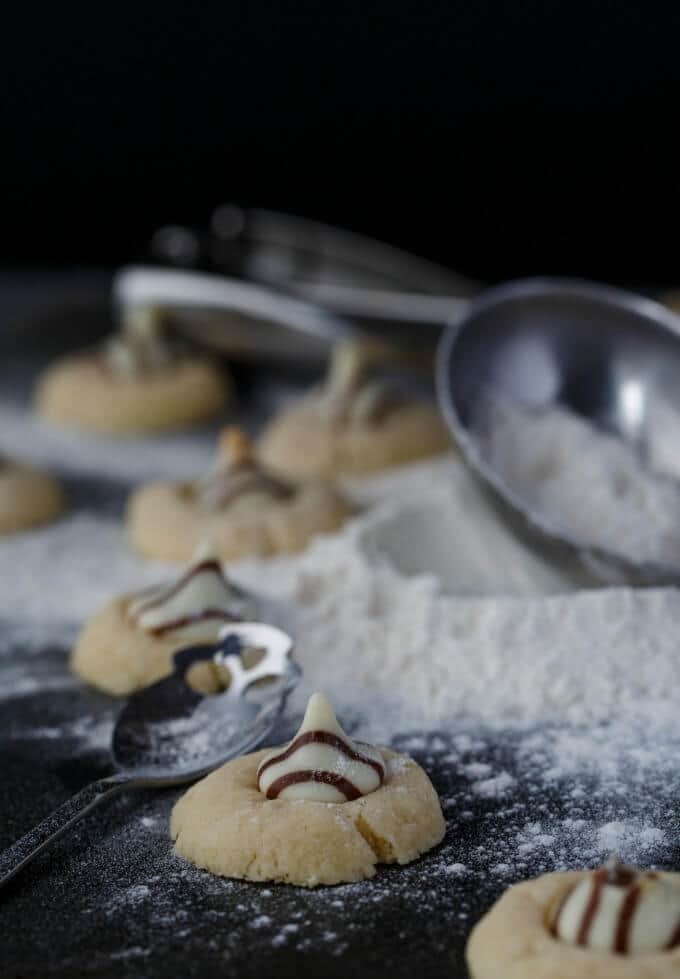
(16, 856)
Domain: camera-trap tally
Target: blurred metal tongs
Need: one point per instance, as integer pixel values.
(259, 283)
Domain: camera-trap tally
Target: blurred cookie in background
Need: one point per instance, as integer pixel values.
(352, 423)
(238, 504)
(140, 380)
(28, 497)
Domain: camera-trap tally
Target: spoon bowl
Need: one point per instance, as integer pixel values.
(170, 733)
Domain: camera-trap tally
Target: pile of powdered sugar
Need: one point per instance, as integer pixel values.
(424, 653)
(364, 622)
(583, 481)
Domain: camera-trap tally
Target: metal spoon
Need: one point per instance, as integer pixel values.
(168, 734)
(276, 285)
(609, 356)
(375, 288)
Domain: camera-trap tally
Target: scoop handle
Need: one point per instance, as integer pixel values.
(19, 854)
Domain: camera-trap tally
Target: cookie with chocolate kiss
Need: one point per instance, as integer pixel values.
(138, 382)
(321, 810)
(130, 643)
(239, 505)
(350, 425)
(616, 922)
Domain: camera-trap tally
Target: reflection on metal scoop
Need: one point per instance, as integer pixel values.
(610, 357)
(169, 734)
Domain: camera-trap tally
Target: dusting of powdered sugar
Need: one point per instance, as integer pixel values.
(373, 633)
(545, 716)
(27, 437)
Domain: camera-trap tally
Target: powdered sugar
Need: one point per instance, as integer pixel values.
(584, 481)
(372, 634)
(24, 435)
(546, 717)
(495, 787)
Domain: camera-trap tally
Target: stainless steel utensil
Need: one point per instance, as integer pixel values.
(238, 318)
(269, 284)
(294, 254)
(611, 356)
(375, 284)
(249, 320)
(168, 734)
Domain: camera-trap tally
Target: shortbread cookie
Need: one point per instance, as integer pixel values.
(351, 425)
(138, 382)
(28, 497)
(322, 810)
(612, 923)
(239, 506)
(130, 643)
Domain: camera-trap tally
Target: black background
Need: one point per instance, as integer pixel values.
(501, 138)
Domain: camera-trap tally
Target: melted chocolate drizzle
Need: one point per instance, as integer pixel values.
(211, 565)
(623, 925)
(591, 907)
(205, 615)
(348, 789)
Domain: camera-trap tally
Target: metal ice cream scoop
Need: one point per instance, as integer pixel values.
(169, 734)
(609, 357)
(260, 283)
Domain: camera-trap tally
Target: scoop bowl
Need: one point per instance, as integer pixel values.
(608, 356)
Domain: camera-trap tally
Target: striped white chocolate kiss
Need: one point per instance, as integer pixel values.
(194, 607)
(140, 347)
(321, 763)
(620, 909)
(348, 395)
(237, 474)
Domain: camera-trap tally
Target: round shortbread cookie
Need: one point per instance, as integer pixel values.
(115, 656)
(77, 391)
(513, 940)
(302, 442)
(28, 497)
(224, 824)
(166, 521)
